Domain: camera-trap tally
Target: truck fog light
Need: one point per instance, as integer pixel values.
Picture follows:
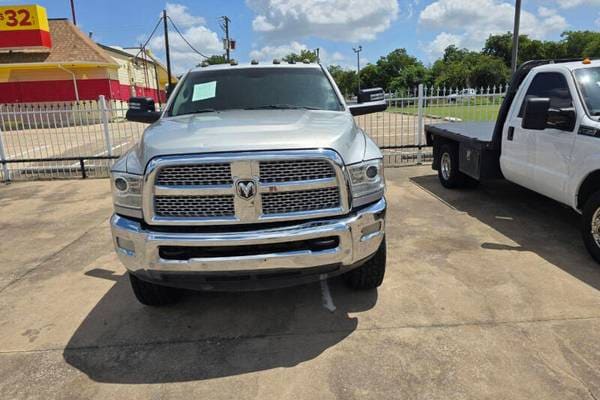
(126, 244)
(121, 184)
(372, 172)
(369, 231)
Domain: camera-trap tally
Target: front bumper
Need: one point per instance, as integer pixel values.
(359, 236)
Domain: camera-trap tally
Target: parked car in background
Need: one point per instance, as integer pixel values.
(253, 176)
(462, 96)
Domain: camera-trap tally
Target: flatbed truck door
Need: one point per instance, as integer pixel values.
(518, 146)
(553, 145)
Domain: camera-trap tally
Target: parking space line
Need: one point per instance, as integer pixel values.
(326, 295)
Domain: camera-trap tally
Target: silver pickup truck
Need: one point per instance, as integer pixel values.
(252, 177)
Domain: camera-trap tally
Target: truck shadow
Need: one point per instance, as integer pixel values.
(209, 335)
(535, 223)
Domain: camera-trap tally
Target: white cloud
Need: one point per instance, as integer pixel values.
(268, 53)
(470, 22)
(339, 20)
(576, 3)
(436, 47)
(597, 21)
(182, 17)
(200, 37)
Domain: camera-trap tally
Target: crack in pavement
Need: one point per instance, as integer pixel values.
(304, 334)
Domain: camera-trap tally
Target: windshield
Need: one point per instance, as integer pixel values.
(588, 80)
(255, 88)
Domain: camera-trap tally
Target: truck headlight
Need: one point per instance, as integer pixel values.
(127, 193)
(367, 182)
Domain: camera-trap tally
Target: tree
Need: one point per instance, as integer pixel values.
(309, 55)
(489, 71)
(345, 79)
(370, 77)
(216, 59)
(400, 67)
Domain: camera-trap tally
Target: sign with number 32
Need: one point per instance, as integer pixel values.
(24, 26)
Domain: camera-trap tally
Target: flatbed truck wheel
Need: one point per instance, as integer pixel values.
(590, 226)
(151, 294)
(370, 274)
(448, 172)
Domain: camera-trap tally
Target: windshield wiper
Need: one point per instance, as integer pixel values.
(200, 111)
(280, 107)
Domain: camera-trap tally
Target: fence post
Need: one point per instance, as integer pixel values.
(5, 171)
(104, 118)
(421, 124)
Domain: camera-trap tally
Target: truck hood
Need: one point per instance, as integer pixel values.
(250, 130)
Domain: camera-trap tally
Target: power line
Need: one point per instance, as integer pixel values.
(149, 37)
(184, 39)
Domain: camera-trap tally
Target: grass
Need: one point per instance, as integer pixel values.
(479, 112)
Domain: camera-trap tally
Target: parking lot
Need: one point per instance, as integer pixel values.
(489, 294)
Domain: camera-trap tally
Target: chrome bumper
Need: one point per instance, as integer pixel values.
(359, 233)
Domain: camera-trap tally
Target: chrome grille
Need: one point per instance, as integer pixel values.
(194, 206)
(203, 189)
(195, 175)
(295, 170)
(299, 201)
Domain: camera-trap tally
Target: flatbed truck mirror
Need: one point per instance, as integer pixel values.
(536, 113)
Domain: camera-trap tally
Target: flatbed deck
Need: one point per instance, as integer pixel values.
(481, 132)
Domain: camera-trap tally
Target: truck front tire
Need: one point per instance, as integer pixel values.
(370, 274)
(590, 226)
(151, 294)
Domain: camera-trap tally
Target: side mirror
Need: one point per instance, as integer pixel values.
(536, 113)
(563, 119)
(369, 101)
(142, 109)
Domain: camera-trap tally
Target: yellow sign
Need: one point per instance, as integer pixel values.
(23, 18)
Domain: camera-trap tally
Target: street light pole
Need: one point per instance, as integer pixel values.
(515, 46)
(357, 51)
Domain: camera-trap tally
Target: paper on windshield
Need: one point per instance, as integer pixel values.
(203, 91)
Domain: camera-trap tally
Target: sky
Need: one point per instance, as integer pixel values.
(267, 29)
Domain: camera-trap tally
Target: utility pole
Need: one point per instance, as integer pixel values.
(73, 12)
(170, 86)
(226, 22)
(317, 52)
(515, 46)
(357, 51)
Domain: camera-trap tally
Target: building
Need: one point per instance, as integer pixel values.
(76, 68)
(139, 73)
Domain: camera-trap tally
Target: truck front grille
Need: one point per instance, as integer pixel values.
(295, 170)
(194, 206)
(245, 188)
(195, 175)
(305, 200)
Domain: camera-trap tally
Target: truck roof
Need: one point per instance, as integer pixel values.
(571, 65)
(218, 67)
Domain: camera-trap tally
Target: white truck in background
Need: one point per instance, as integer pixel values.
(546, 138)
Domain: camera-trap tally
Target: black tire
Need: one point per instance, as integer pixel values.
(151, 294)
(370, 275)
(448, 173)
(591, 207)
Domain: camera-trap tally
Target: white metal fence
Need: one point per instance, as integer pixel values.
(399, 131)
(63, 140)
(68, 140)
